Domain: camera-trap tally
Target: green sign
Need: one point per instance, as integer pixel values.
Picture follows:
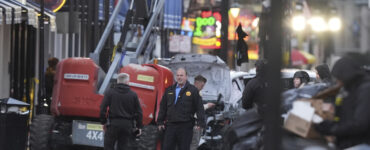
(210, 21)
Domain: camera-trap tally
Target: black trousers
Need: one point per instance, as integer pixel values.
(120, 133)
(178, 135)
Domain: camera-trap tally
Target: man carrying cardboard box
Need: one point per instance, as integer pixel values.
(352, 131)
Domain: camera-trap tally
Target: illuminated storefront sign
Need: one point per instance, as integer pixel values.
(207, 32)
(53, 5)
(188, 24)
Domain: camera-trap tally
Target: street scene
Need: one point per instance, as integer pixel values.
(184, 75)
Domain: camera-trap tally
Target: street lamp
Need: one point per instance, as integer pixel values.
(255, 22)
(235, 10)
(318, 24)
(298, 23)
(334, 24)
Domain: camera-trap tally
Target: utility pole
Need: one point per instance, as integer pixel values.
(41, 52)
(222, 53)
(273, 54)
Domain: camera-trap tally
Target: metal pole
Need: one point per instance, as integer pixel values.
(273, 53)
(41, 54)
(148, 30)
(224, 30)
(107, 30)
(111, 71)
(70, 26)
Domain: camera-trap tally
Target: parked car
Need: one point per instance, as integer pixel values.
(239, 80)
(287, 76)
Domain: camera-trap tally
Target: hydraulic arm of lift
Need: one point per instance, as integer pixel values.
(158, 6)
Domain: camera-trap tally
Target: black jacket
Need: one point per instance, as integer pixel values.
(324, 73)
(188, 103)
(123, 104)
(253, 93)
(353, 127)
(49, 81)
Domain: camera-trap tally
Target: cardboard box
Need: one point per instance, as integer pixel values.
(300, 126)
(304, 112)
(324, 110)
(300, 118)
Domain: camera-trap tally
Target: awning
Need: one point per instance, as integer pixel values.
(301, 58)
(47, 13)
(172, 14)
(17, 8)
(17, 11)
(7, 12)
(32, 18)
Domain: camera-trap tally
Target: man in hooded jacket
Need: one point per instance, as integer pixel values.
(352, 129)
(124, 109)
(255, 88)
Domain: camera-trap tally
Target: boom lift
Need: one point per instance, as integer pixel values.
(79, 85)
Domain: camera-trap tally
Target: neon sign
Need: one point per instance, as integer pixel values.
(53, 5)
(207, 32)
(188, 24)
(203, 22)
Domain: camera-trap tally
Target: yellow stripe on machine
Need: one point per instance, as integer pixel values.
(145, 78)
(96, 127)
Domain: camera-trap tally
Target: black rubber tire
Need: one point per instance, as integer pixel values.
(40, 132)
(149, 138)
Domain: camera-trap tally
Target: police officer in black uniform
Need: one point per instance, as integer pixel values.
(176, 115)
(124, 109)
